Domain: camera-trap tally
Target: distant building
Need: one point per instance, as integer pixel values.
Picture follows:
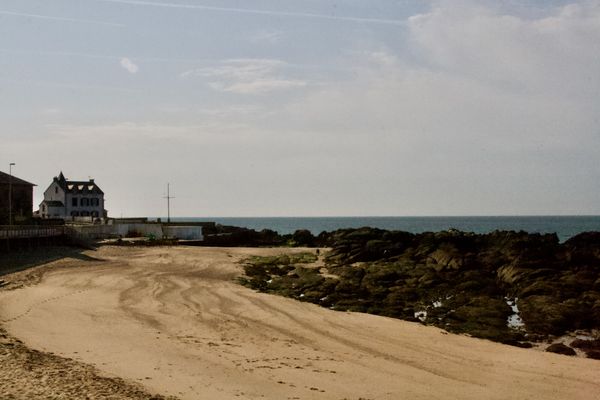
(69, 199)
(22, 198)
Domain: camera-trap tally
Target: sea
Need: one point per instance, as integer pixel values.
(564, 226)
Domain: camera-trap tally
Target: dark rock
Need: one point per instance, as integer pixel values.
(550, 315)
(583, 248)
(516, 343)
(235, 237)
(462, 280)
(560, 348)
(303, 237)
(593, 354)
(586, 344)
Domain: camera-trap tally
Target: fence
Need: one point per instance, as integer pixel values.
(155, 230)
(31, 231)
(101, 231)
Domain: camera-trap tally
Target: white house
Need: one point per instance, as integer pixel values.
(65, 199)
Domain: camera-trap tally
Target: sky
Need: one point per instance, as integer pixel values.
(307, 107)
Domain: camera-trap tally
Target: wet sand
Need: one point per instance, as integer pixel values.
(174, 321)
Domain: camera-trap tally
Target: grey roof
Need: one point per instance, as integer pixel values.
(53, 203)
(78, 187)
(6, 178)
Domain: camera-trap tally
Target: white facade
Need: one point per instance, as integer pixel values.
(70, 199)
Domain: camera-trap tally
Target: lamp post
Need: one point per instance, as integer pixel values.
(10, 193)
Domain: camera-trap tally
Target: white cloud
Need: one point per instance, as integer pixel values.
(238, 69)
(472, 109)
(258, 86)
(250, 11)
(61, 19)
(131, 132)
(246, 76)
(50, 111)
(233, 110)
(553, 54)
(266, 36)
(227, 111)
(382, 58)
(129, 65)
(497, 115)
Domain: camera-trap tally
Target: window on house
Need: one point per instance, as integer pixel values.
(74, 202)
(85, 202)
(55, 189)
(95, 202)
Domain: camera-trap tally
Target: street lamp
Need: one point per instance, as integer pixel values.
(10, 192)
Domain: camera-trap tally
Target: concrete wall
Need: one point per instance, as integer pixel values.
(183, 232)
(53, 212)
(119, 230)
(94, 231)
(138, 230)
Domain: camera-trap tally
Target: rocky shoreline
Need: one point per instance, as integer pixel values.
(511, 287)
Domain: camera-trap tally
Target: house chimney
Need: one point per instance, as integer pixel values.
(91, 180)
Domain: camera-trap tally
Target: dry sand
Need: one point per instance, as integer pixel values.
(174, 321)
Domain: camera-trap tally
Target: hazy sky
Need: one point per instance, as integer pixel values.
(307, 107)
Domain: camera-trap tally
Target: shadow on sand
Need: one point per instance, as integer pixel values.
(16, 261)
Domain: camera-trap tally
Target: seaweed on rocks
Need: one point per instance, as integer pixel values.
(510, 287)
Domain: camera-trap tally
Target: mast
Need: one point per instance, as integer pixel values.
(168, 197)
(10, 193)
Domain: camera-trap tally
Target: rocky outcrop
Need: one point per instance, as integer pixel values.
(231, 236)
(512, 287)
(590, 347)
(560, 348)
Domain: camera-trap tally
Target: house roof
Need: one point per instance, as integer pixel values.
(78, 187)
(53, 203)
(6, 178)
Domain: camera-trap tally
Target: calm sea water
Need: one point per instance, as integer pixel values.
(564, 226)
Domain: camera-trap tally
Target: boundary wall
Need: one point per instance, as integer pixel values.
(155, 230)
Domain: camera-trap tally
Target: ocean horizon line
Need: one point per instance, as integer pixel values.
(388, 216)
(565, 226)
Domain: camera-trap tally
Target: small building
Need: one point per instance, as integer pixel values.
(21, 199)
(71, 199)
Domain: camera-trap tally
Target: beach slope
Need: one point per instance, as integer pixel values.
(175, 321)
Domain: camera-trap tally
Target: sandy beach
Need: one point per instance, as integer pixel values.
(173, 321)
